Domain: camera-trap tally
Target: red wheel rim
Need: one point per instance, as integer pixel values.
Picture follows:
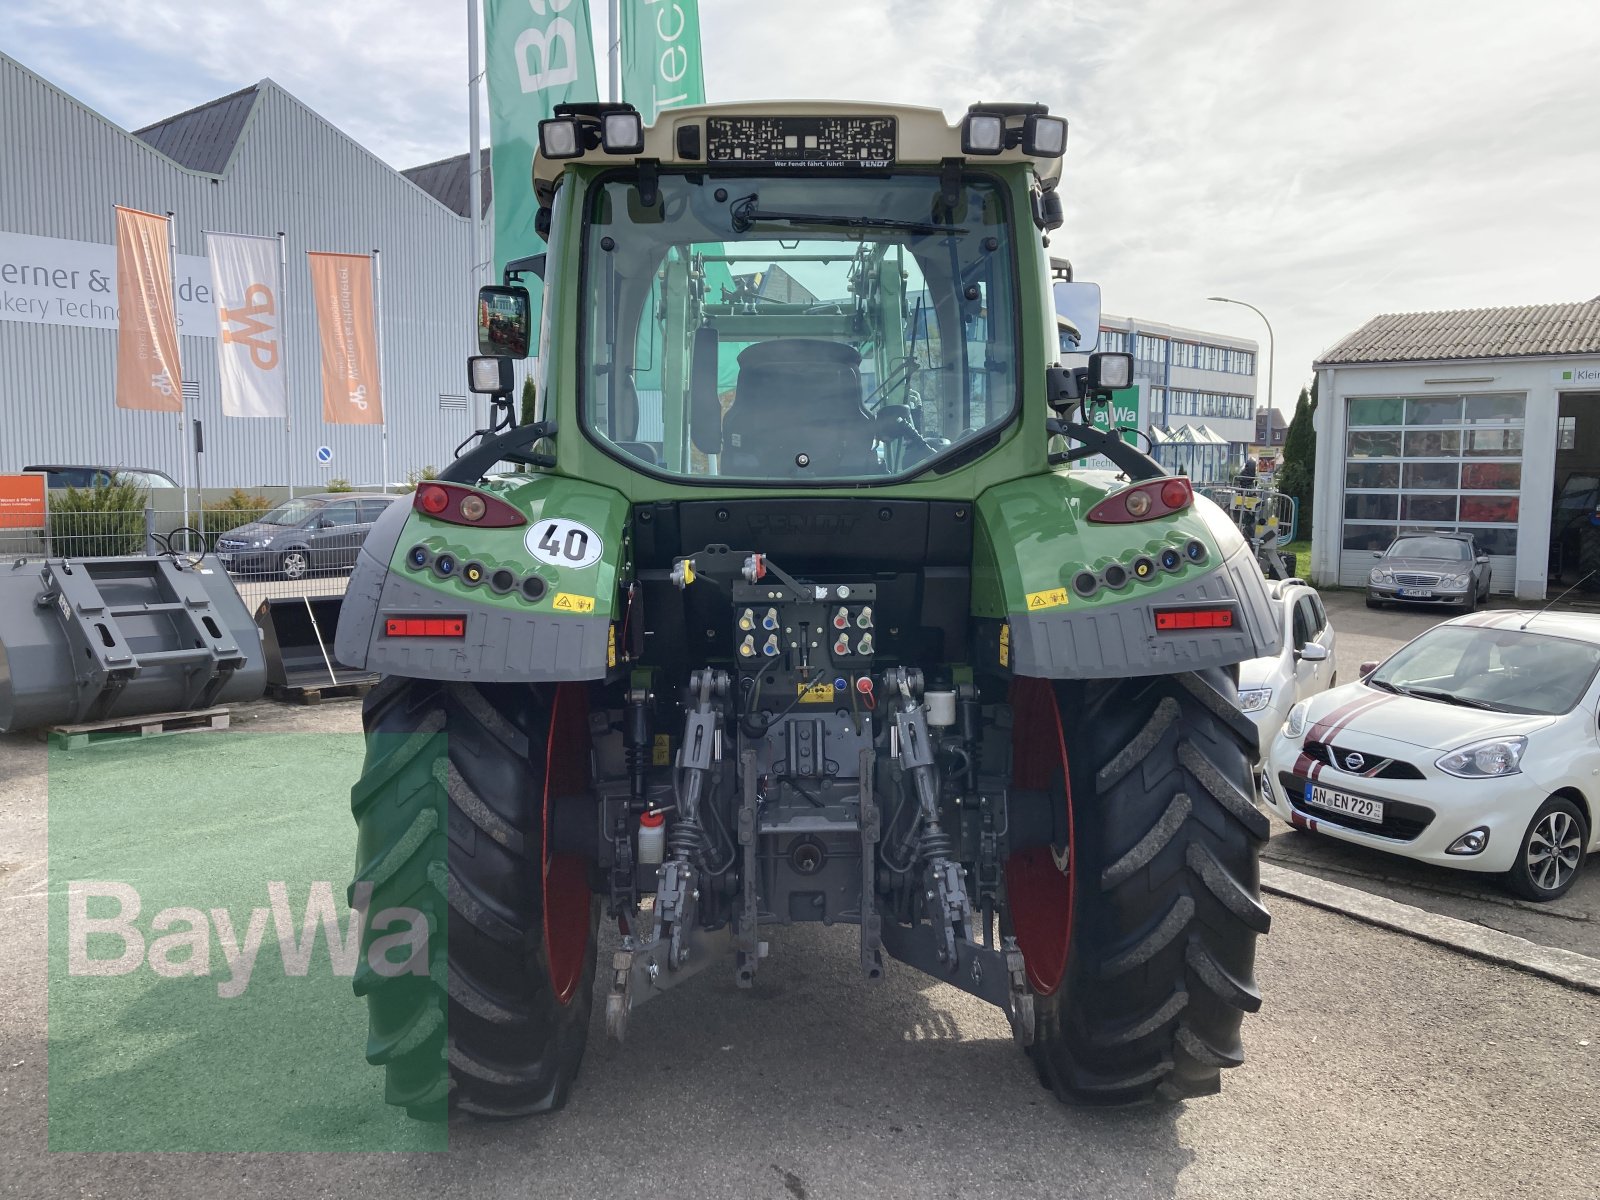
(1038, 894)
(566, 876)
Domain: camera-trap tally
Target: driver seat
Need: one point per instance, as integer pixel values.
(798, 396)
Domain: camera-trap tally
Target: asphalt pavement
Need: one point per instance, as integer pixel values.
(1570, 923)
(1379, 1067)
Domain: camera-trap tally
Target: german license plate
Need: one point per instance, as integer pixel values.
(1358, 807)
(1415, 594)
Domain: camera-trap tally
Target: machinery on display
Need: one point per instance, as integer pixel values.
(1268, 519)
(797, 604)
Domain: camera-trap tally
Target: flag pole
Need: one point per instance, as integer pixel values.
(183, 399)
(383, 397)
(475, 156)
(283, 362)
(615, 55)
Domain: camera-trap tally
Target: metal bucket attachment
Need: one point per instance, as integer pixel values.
(93, 639)
(297, 639)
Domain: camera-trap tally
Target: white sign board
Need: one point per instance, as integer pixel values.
(1577, 377)
(54, 281)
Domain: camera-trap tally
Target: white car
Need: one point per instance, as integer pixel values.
(1270, 687)
(1476, 745)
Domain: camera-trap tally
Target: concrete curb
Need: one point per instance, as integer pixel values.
(1561, 966)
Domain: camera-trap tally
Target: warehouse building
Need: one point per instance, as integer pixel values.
(1486, 420)
(255, 162)
(1197, 393)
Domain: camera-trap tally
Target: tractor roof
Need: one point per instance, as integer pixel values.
(694, 136)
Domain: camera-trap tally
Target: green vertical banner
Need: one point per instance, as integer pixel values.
(662, 68)
(661, 60)
(539, 53)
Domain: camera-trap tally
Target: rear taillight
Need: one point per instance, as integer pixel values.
(1146, 501)
(453, 627)
(465, 506)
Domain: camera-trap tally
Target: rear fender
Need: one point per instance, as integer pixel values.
(552, 623)
(1032, 544)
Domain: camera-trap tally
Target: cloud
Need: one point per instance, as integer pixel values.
(1326, 162)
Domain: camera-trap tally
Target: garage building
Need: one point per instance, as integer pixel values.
(1476, 420)
(257, 161)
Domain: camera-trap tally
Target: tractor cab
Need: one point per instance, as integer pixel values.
(842, 298)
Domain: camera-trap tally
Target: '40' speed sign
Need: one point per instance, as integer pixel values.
(564, 543)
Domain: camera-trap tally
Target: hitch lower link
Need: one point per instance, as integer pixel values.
(676, 947)
(943, 947)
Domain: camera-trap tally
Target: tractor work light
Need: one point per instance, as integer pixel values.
(1044, 137)
(983, 133)
(1110, 372)
(490, 374)
(622, 133)
(560, 137)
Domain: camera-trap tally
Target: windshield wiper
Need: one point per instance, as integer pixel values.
(746, 214)
(1382, 683)
(1444, 697)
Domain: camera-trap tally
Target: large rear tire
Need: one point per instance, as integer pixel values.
(1141, 954)
(451, 813)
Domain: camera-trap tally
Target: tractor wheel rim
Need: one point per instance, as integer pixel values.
(1039, 893)
(1554, 849)
(565, 876)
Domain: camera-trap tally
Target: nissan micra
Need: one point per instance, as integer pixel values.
(1476, 745)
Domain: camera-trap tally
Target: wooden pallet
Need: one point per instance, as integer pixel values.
(316, 693)
(75, 737)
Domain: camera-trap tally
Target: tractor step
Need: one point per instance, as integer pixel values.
(75, 737)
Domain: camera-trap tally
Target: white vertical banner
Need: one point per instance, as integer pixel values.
(248, 285)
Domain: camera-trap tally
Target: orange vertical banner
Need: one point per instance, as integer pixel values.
(341, 285)
(148, 371)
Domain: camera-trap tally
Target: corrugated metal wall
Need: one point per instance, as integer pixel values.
(63, 167)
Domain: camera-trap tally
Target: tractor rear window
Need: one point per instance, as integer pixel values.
(797, 328)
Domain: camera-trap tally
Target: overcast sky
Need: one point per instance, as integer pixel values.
(1325, 160)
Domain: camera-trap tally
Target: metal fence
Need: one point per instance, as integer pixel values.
(302, 548)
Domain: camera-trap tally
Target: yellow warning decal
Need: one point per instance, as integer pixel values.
(567, 602)
(611, 645)
(1005, 643)
(661, 750)
(817, 693)
(1053, 598)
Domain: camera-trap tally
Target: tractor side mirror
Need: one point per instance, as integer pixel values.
(1077, 316)
(505, 319)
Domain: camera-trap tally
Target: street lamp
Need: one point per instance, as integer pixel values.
(1268, 324)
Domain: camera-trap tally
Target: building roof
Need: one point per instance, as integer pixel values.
(1280, 427)
(1534, 329)
(203, 138)
(448, 181)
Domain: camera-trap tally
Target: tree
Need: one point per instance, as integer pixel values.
(1300, 456)
(528, 402)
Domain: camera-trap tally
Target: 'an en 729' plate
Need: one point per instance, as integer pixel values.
(1358, 807)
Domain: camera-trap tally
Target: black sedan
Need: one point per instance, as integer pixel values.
(1429, 568)
(303, 536)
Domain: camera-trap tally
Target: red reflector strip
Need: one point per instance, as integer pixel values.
(1172, 620)
(425, 626)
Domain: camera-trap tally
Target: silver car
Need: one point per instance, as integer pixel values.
(1270, 687)
(1429, 568)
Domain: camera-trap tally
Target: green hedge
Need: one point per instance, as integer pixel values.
(100, 521)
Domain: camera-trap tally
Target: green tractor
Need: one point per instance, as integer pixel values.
(801, 602)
